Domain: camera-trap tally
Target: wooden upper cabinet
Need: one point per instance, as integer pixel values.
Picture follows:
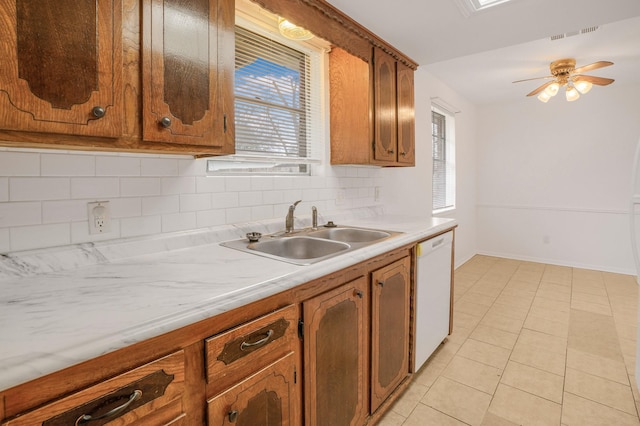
(406, 115)
(371, 110)
(390, 316)
(61, 67)
(384, 86)
(188, 67)
(350, 108)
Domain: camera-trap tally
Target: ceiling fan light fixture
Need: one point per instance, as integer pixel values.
(552, 89)
(544, 96)
(583, 86)
(572, 94)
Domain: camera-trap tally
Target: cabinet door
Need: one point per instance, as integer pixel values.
(385, 106)
(271, 397)
(61, 67)
(390, 309)
(406, 116)
(350, 108)
(188, 64)
(335, 351)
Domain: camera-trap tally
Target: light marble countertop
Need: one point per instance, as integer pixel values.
(63, 306)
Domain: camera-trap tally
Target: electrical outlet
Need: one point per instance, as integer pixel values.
(376, 193)
(99, 217)
(340, 196)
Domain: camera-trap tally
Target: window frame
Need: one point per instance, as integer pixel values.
(253, 164)
(449, 161)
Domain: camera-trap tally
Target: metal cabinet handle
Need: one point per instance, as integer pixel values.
(86, 418)
(390, 151)
(404, 154)
(381, 283)
(98, 111)
(359, 294)
(165, 122)
(260, 342)
(233, 416)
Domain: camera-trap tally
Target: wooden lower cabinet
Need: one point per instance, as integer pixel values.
(336, 356)
(148, 395)
(390, 328)
(271, 397)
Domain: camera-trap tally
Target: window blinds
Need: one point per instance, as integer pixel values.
(443, 182)
(275, 101)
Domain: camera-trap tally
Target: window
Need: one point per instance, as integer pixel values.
(277, 106)
(444, 176)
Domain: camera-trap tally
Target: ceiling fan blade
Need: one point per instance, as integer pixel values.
(535, 78)
(540, 89)
(593, 66)
(600, 81)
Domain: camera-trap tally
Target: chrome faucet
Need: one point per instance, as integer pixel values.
(288, 222)
(314, 218)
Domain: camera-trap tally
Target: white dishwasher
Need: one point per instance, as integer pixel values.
(433, 295)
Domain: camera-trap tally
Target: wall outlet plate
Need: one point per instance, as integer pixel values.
(99, 217)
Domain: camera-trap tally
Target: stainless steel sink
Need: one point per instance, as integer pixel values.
(350, 235)
(299, 247)
(307, 246)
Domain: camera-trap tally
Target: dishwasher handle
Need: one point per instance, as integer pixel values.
(432, 244)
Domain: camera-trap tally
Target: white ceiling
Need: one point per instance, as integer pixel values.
(479, 56)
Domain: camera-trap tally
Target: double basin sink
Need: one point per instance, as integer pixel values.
(309, 246)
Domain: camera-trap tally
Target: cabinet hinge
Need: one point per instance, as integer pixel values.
(225, 123)
(301, 329)
(295, 376)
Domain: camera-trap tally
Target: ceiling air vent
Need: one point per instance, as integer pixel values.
(573, 33)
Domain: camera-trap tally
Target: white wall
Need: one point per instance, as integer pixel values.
(554, 179)
(408, 191)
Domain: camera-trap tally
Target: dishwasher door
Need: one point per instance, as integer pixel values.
(433, 295)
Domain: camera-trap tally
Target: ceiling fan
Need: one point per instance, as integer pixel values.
(565, 73)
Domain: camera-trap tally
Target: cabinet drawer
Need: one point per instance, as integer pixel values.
(150, 395)
(245, 349)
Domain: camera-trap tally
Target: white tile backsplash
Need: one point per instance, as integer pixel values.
(43, 195)
(135, 226)
(19, 214)
(64, 211)
(5, 240)
(37, 236)
(19, 163)
(4, 189)
(160, 205)
(117, 166)
(97, 188)
(159, 167)
(178, 222)
(36, 188)
(178, 185)
(142, 186)
(67, 165)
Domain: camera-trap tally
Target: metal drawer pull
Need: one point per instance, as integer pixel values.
(260, 342)
(233, 416)
(86, 418)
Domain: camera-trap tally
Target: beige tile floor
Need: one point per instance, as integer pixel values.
(533, 344)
